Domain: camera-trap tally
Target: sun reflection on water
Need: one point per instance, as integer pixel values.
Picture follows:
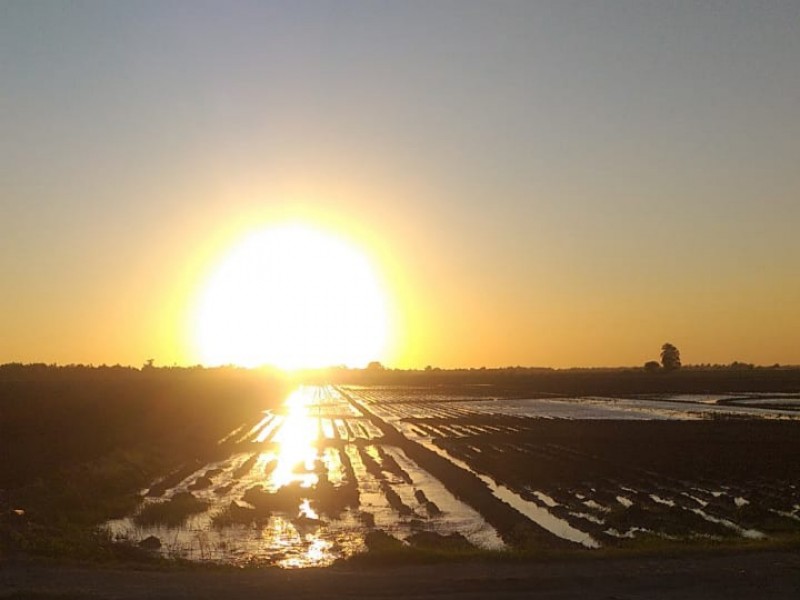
(296, 440)
(277, 494)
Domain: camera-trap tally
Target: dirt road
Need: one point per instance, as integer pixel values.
(721, 576)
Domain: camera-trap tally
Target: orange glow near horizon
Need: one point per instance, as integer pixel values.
(292, 295)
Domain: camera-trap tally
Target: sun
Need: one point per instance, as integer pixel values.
(292, 296)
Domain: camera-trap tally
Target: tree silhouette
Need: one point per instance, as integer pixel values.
(652, 366)
(670, 357)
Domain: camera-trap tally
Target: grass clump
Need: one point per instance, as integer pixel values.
(237, 514)
(172, 512)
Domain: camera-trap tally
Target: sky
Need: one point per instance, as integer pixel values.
(555, 183)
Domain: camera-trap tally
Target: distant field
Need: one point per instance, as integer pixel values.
(230, 467)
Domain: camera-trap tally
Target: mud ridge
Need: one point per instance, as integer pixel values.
(514, 528)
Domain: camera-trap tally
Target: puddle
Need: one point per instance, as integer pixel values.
(456, 516)
(656, 407)
(594, 505)
(629, 534)
(333, 466)
(659, 500)
(752, 534)
(588, 517)
(232, 434)
(788, 515)
(542, 517)
(547, 500)
(699, 501)
(256, 427)
(539, 515)
(268, 430)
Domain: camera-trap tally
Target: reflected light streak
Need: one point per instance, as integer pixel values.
(296, 439)
(296, 455)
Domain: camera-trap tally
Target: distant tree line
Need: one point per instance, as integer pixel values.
(671, 361)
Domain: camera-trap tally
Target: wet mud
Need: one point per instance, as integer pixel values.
(338, 471)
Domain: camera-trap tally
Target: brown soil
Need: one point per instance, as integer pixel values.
(696, 465)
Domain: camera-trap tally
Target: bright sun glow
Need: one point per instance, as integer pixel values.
(295, 439)
(292, 296)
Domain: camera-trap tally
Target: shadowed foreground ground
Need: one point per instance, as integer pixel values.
(724, 576)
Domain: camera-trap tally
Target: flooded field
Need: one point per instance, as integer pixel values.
(338, 470)
(302, 486)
